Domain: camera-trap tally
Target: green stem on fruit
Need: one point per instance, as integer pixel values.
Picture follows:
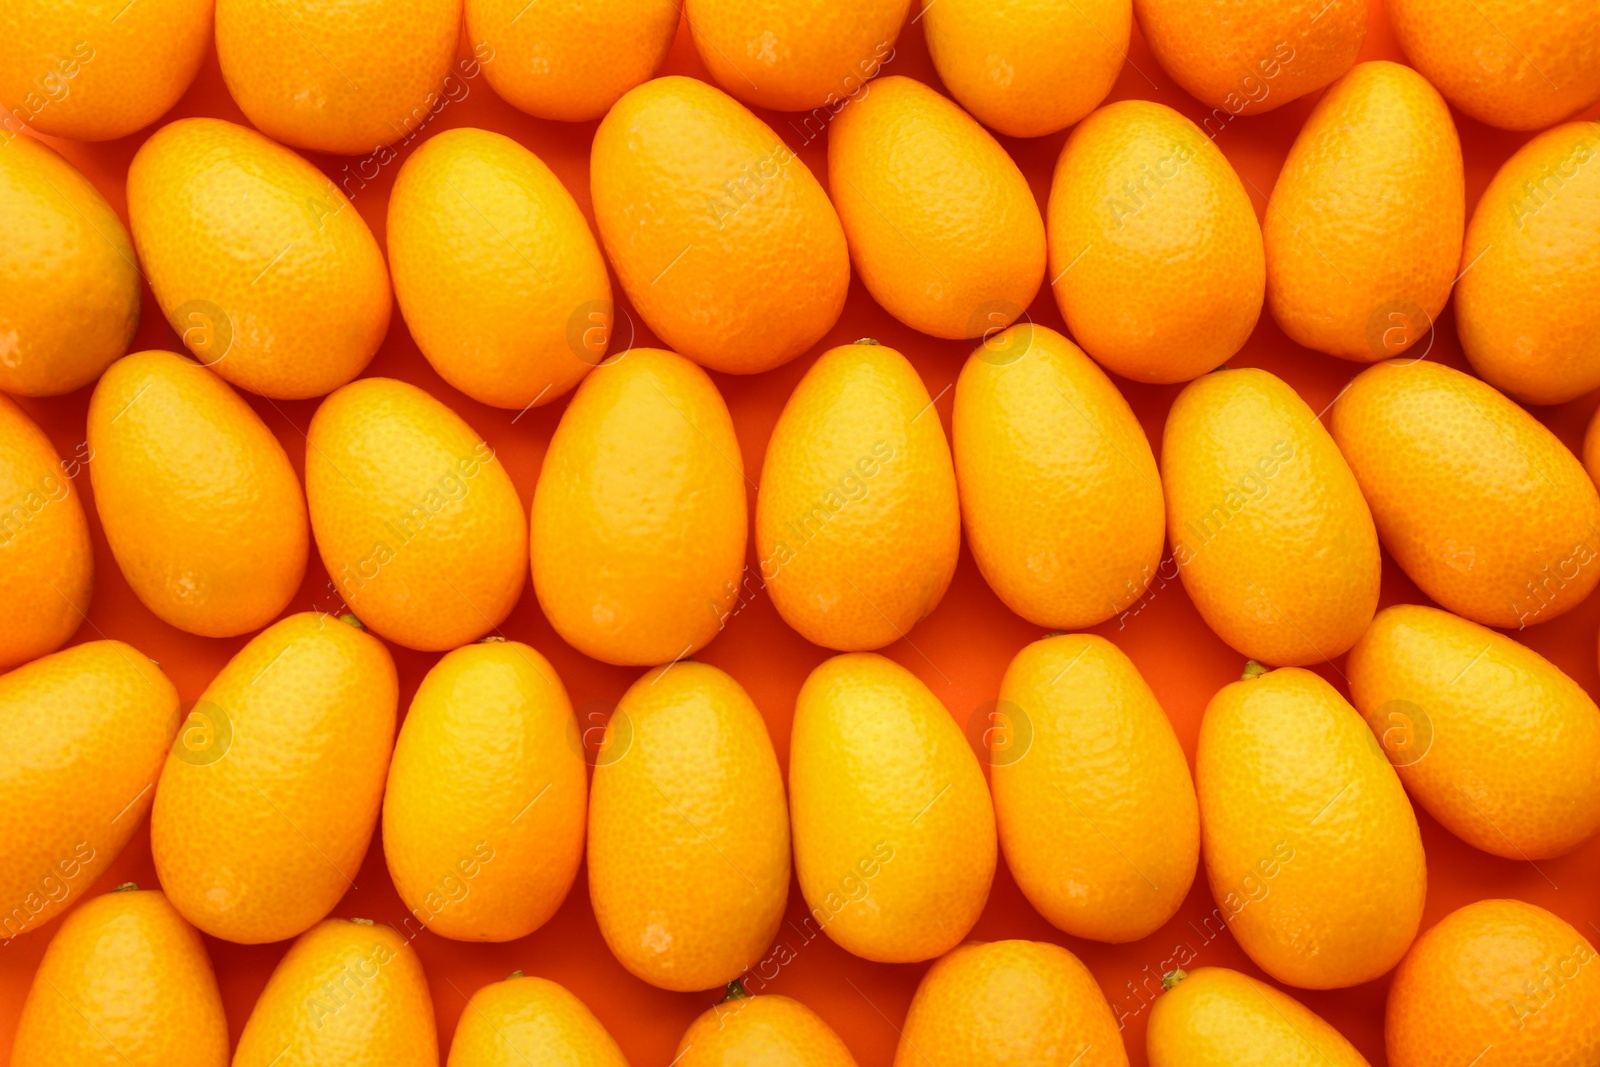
(492, 639)
(736, 989)
(515, 974)
(362, 922)
(1173, 977)
(127, 887)
(866, 340)
(351, 620)
(1252, 671)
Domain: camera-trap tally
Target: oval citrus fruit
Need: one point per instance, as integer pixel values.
(943, 228)
(894, 837)
(857, 523)
(203, 511)
(688, 830)
(416, 520)
(269, 796)
(1311, 846)
(1155, 251)
(483, 814)
(721, 237)
(639, 514)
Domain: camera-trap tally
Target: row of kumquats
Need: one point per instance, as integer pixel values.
(740, 260)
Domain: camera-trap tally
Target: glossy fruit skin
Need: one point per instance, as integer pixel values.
(483, 815)
(499, 279)
(943, 228)
(393, 60)
(269, 796)
(203, 512)
(69, 252)
(688, 830)
(1244, 58)
(125, 983)
(1528, 310)
(1271, 535)
(1501, 973)
(1010, 1004)
(1547, 71)
(857, 522)
(259, 262)
(795, 55)
(767, 1030)
(1216, 1017)
(87, 730)
(544, 57)
(1311, 846)
(1491, 738)
(96, 71)
(638, 562)
(894, 837)
(1475, 499)
(46, 559)
(415, 518)
(1363, 238)
(1158, 280)
(720, 236)
(524, 1020)
(1043, 444)
(1096, 809)
(1028, 68)
(384, 1019)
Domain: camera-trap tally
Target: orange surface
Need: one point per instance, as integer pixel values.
(960, 651)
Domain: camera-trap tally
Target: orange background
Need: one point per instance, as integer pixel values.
(960, 651)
